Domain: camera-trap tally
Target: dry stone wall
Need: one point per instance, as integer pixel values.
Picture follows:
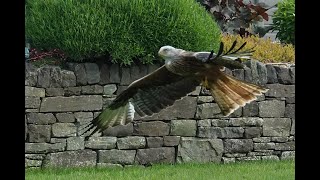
(60, 101)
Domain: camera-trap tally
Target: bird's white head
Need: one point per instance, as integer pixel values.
(168, 52)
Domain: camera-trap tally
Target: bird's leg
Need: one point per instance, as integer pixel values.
(238, 60)
(210, 55)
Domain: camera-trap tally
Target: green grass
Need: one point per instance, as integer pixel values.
(241, 170)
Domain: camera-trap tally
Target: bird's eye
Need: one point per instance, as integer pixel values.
(165, 50)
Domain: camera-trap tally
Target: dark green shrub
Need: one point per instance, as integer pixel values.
(284, 21)
(127, 29)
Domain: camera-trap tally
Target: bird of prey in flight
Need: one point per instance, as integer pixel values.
(182, 72)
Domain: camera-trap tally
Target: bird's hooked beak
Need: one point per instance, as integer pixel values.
(160, 54)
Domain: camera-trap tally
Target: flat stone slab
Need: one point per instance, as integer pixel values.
(79, 158)
(74, 103)
(155, 155)
(199, 150)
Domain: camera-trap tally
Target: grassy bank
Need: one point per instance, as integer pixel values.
(242, 170)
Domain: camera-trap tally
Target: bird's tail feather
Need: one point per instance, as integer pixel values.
(231, 93)
(109, 117)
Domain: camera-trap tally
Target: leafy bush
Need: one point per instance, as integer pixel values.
(266, 50)
(237, 16)
(124, 29)
(284, 21)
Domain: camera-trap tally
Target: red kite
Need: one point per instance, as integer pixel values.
(182, 72)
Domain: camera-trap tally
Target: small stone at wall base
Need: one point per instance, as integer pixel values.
(109, 165)
(287, 155)
(193, 149)
(234, 155)
(271, 157)
(228, 160)
(255, 158)
(81, 158)
(155, 155)
(287, 146)
(116, 156)
(238, 145)
(32, 163)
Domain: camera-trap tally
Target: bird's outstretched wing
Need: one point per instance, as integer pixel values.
(148, 95)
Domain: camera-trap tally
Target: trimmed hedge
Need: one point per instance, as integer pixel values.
(125, 29)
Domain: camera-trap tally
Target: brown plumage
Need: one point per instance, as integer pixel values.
(228, 92)
(182, 73)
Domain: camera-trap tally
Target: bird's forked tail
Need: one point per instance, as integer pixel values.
(230, 93)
